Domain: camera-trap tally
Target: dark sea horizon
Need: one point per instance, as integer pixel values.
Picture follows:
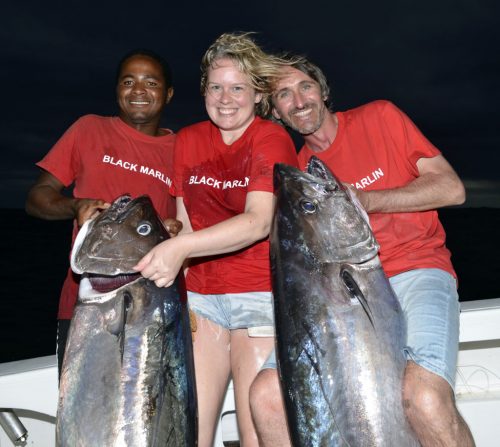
(36, 253)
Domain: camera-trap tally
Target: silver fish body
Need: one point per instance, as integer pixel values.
(128, 375)
(340, 329)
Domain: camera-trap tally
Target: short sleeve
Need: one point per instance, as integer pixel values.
(176, 189)
(63, 161)
(272, 146)
(409, 138)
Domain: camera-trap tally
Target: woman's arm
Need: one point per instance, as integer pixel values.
(164, 261)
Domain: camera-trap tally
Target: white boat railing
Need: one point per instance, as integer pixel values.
(30, 386)
(477, 386)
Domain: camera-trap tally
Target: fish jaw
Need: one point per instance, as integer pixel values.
(305, 198)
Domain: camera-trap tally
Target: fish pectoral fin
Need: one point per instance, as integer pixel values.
(116, 326)
(357, 296)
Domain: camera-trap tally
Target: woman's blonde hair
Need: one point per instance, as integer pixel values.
(261, 68)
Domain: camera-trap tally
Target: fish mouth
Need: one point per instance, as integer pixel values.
(318, 169)
(317, 173)
(105, 284)
(101, 288)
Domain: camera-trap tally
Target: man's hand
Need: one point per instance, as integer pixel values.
(86, 209)
(46, 201)
(360, 195)
(173, 226)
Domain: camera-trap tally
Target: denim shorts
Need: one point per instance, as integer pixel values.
(429, 300)
(236, 310)
(430, 304)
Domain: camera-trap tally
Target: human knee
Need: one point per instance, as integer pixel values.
(427, 401)
(265, 395)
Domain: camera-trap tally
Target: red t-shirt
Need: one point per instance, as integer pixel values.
(213, 179)
(377, 147)
(105, 158)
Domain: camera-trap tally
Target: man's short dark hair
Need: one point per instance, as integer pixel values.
(165, 67)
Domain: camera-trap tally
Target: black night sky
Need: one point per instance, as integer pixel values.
(438, 60)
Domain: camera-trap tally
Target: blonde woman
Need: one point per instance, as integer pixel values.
(224, 191)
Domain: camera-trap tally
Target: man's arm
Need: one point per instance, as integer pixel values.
(436, 186)
(46, 201)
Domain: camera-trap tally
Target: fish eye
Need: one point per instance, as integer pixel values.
(309, 207)
(144, 228)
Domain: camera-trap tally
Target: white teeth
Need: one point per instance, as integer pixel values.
(227, 111)
(141, 103)
(303, 113)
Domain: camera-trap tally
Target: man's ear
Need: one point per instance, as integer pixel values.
(170, 93)
(276, 114)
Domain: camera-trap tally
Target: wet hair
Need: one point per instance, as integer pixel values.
(251, 60)
(302, 64)
(165, 67)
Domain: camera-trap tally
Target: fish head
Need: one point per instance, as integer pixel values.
(114, 241)
(322, 217)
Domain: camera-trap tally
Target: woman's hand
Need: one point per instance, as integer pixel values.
(163, 262)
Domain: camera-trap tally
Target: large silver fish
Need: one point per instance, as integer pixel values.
(127, 377)
(340, 329)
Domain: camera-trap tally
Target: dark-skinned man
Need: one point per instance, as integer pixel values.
(105, 157)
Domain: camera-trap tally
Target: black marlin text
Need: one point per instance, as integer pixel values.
(135, 167)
